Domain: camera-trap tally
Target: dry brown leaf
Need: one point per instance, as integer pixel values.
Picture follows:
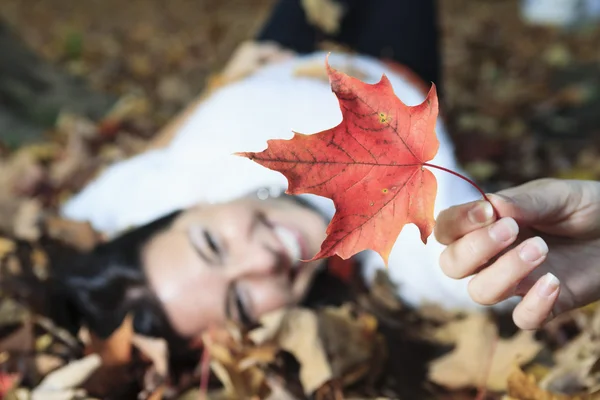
(257, 355)
(69, 376)
(78, 234)
(313, 338)
(385, 292)
(7, 246)
(74, 158)
(9, 206)
(21, 173)
(57, 332)
(576, 366)
(9, 383)
(67, 123)
(20, 341)
(156, 349)
(227, 355)
(522, 386)
(25, 223)
(324, 14)
(522, 348)
(127, 107)
(116, 350)
(65, 394)
(40, 263)
(299, 334)
(12, 312)
(45, 363)
(317, 70)
(43, 342)
(157, 394)
(248, 58)
(216, 394)
(278, 390)
(468, 365)
(349, 358)
(437, 314)
(269, 326)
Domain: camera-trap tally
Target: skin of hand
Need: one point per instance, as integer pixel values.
(540, 240)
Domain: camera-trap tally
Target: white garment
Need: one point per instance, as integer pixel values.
(198, 166)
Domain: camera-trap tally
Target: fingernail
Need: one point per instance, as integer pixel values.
(548, 285)
(504, 230)
(533, 249)
(481, 212)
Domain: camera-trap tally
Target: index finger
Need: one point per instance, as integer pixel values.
(455, 222)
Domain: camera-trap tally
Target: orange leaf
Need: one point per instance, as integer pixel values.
(116, 349)
(370, 165)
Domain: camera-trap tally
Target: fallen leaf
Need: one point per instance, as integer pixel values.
(7, 246)
(382, 301)
(127, 107)
(279, 392)
(18, 394)
(45, 363)
(20, 341)
(576, 364)
(156, 349)
(313, 339)
(370, 165)
(299, 334)
(73, 159)
(269, 326)
(476, 345)
(229, 362)
(316, 70)
(324, 14)
(25, 223)
(348, 358)
(522, 386)
(12, 312)
(8, 382)
(68, 377)
(56, 331)
(78, 234)
(43, 342)
(116, 350)
(248, 58)
(21, 173)
(157, 394)
(67, 123)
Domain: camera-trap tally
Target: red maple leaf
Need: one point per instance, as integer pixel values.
(371, 165)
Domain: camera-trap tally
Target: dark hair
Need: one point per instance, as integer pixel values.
(99, 288)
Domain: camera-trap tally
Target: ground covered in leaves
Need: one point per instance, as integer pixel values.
(521, 103)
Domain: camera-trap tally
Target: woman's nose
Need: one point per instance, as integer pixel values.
(251, 249)
(255, 260)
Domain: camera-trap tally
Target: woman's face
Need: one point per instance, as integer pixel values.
(235, 260)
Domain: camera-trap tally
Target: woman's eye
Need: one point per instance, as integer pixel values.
(211, 242)
(207, 245)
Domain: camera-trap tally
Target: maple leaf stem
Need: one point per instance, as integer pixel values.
(464, 178)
